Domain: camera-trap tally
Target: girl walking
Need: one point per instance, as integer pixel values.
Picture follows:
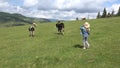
(85, 29)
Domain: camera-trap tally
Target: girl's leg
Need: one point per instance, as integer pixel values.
(88, 45)
(84, 47)
(84, 43)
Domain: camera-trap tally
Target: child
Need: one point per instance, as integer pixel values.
(85, 29)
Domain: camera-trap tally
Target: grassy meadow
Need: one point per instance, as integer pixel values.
(50, 50)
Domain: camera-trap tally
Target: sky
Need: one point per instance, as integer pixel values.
(59, 9)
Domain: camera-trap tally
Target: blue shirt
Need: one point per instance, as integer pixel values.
(84, 31)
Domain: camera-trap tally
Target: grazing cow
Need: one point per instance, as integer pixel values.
(31, 30)
(34, 24)
(60, 27)
(83, 18)
(77, 19)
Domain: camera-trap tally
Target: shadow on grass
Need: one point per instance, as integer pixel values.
(78, 46)
(59, 33)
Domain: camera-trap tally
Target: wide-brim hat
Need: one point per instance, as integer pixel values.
(86, 25)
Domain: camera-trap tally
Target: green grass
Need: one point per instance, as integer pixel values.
(49, 50)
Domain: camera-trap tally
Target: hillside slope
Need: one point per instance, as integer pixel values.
(18, 19)
(50, 50)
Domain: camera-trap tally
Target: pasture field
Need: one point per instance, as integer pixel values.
(50, 50)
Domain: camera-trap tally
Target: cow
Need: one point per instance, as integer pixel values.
(31, 30)
(60, 27)
(84, 18)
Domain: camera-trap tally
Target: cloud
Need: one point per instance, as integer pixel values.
(65, 9)
(3, 5)
(59, 9)
(68, 5)
(114, 7)
(30, 3)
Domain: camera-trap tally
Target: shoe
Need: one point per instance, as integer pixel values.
(84, 48)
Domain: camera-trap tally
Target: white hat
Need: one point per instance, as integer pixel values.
(86, 25)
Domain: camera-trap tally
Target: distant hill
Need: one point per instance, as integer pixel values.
(18, 19)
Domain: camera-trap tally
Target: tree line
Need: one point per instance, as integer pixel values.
(106, 14)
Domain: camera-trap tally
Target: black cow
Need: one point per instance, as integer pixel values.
(31, 30)
(60, 27)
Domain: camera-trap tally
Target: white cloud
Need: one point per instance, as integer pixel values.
(114, 7)
(30, 3)
(3, 5)
(60, 9)
(68, 5)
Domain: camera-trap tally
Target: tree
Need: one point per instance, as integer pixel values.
(104, 13)
(118, 13)
(77, 18)
(112, 14)
(108, 15)
(98, 16)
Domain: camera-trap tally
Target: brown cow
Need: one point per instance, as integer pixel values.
(84, 18)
